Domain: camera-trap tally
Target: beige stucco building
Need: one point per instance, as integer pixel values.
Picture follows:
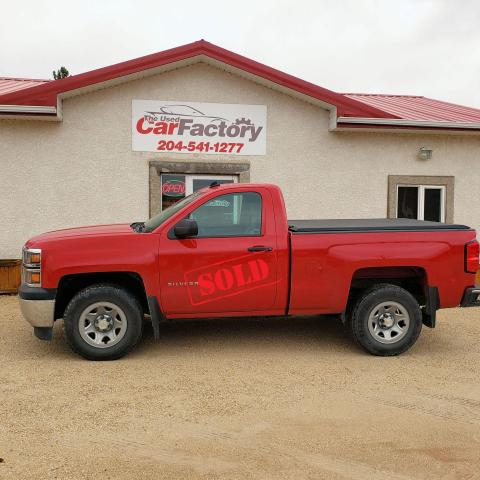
(68, 155)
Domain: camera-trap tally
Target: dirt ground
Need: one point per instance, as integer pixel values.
(242, 399)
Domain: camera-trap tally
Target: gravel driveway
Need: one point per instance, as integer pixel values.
(242, 399)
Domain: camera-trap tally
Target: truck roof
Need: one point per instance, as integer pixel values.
(367, 225)
(230, 186)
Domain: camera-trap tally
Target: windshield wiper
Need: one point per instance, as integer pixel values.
(138, 227)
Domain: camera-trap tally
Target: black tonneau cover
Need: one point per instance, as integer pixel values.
(369, 225)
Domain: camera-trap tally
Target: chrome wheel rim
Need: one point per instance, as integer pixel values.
(388, 322)
(102, 324)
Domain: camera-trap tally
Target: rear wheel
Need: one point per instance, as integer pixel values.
(103, 322)
(386, 320)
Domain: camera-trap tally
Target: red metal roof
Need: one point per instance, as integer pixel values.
(46, 94)
(409, 107)
(8, 85)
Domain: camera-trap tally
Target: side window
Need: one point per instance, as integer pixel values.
(421, 202)
(235, 214)
(421, 197)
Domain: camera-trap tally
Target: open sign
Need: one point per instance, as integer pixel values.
(173, 188)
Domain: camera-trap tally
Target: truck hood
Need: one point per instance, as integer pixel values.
(96, 230)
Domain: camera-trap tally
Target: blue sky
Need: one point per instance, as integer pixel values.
(419, 47)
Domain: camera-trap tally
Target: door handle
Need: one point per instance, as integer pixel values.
(259, 248)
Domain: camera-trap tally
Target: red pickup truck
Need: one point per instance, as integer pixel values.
(229, 250)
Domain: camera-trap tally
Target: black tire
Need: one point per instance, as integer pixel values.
(372, 341)
(130, 309)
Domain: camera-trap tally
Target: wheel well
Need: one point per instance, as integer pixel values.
(412, 279)
(70, 285)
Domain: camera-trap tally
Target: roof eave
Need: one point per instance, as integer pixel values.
(28, 112)
(393, 124)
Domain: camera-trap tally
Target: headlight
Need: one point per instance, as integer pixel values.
(32, 257)
(31, 268)
(32, 278)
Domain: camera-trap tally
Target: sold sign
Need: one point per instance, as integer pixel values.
(173, 188)
(228, 278)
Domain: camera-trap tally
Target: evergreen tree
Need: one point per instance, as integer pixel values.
(62, 72)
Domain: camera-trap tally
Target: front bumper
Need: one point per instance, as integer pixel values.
(37, 305)
(38, 313)
(471, 297)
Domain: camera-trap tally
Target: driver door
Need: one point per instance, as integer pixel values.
(230, 266)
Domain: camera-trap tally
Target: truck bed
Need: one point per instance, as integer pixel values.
(369, 225)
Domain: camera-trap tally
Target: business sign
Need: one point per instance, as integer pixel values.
(207, 128)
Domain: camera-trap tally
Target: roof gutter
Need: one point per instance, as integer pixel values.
(29, 109)
(399, 122)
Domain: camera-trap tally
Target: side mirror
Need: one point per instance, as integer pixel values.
(186, 228)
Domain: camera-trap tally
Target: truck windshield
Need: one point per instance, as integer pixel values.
(157, 220)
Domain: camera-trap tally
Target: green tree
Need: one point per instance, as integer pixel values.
(62, 72)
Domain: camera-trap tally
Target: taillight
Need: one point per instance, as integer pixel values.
(471, 257)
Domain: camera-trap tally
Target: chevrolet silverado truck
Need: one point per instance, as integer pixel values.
(229, 251)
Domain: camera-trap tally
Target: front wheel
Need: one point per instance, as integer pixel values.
(386, 320)
(103, 322)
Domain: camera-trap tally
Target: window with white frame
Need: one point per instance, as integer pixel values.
(423, 202)
(424, 197)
